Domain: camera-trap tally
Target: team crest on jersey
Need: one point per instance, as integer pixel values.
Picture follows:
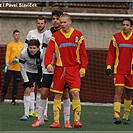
(76, 39)
(20, 47)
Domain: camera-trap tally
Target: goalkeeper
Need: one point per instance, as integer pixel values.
(12, 68)
(120, 54)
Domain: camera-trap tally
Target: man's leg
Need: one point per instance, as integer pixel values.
(117, 104)
(45, 111)
(32, 101)
(66, 107)
(127, 106)
(76, 108)
(25, 117)
(41, 109)
(38, 95)
(56, 110)
(16, 81)
(40, 120)
(7, 80)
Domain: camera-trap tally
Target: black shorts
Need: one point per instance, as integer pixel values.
(47, 80)
(34, 77)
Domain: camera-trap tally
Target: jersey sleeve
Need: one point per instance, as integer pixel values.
(111, 52)
(83, 54)
(46, 37)
(22, 61)
(49, 53)
(8, 52)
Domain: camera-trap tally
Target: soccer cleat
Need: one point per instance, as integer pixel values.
(125, 121)
(37, 123)
(67, 125)
(1, 100)
(117, 120)
(25, 118)
(55, 125)
(77, 124)
(35, 114)
(14, 103)
(45, 118)
(31, 113)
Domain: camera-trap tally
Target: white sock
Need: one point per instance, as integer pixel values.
(66, 106)
(41, 109)
(38, 97)
(46, 107)
(32, 98)
(26, 105)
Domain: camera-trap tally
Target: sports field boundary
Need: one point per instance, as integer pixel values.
(82, 103)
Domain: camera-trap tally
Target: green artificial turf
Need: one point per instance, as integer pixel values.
(93, 118)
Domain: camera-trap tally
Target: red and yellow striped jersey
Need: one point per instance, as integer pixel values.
(69, 49)
(120, 53)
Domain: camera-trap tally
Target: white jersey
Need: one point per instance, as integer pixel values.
(46, 37)
(34, 34)
(28, 64)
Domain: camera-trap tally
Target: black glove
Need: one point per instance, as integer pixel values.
(27, 84)
(132, 66)
(109, 72)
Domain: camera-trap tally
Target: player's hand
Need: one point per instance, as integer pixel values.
(15, 61)
(6, 68)
(27, 85)
(50, 69)
(109, 72)
(81, 74)
(132, 66)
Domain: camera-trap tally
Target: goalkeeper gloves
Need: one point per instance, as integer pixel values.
(6, 68)
(109, 72)
(15, 61)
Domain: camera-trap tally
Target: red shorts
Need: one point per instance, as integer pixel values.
(63, 75)
(125, 80)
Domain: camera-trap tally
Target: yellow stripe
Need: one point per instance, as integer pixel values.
(56, 91)
(126, 37)
(74, 89)
(108, 67)
(131, 65)
(117, 55)
(83, 70)
(119, 84)
(78, 48)
(52, 38)
(67, 35)
(59, 62)
(129, 87)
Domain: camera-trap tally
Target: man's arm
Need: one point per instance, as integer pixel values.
(49, 54)
(22, 68)
(110, 56)
(83, 57)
